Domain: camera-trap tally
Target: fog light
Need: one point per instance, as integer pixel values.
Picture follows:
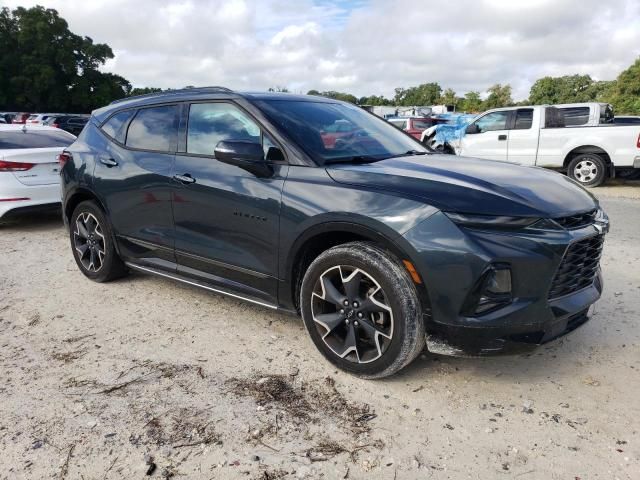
(493, 291)
(499, 281)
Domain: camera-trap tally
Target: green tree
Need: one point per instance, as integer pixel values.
(345, 97)
(143, 91)
(499, 96)
(424, 94)
(472, 102)
(624, 93)
(374, 100)
(567, 89)
(47, 67)
(449, 97)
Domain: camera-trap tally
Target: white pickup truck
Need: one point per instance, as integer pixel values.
(578, 139)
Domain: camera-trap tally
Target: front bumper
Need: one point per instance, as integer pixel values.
(451, 259)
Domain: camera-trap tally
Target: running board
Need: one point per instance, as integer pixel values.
(198, 284)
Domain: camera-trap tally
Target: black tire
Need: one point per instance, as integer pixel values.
(99, 261)
(389, 302)
(588, 169)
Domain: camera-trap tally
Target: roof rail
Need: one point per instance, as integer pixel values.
(212, 89)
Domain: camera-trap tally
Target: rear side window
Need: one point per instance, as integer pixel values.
(34, 139)
(606, 114)
(115, 127)
(524, 119)
(401, 124)
(154, 128)
(575, 115)
(422, 124)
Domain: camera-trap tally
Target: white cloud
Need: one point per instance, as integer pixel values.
(361, 47)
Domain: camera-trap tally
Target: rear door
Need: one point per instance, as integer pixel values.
(491, 141)
(133, 177)
(37, 150)
(523, 137)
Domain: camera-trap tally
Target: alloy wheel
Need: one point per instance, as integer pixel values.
(585, 171)
(89, 242)
(352, 314)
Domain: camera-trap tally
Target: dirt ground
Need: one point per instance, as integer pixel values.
(147, 378)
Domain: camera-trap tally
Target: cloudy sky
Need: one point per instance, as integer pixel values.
(360, 46)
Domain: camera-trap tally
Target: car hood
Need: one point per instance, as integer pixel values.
(469, 185)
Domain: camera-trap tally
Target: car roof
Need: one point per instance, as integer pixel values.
(202, 93)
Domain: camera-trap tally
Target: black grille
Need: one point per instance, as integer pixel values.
(577, 221)
(578, 267)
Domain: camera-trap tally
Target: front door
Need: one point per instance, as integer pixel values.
(491, 139)
(226, 218)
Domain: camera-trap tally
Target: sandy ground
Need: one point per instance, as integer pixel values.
(148, 377)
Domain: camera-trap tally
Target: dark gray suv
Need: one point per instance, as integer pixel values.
(379, 244)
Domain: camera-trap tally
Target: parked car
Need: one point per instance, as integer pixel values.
(414, 126)
(590, 151)
(29, 169)
(20, 118)
(70, 123)
(7, 116)
(338, 130)
(40, 118)
(377, 243)
(626, 120)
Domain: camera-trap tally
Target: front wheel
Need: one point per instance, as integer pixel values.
(361, 310)
(588, 169)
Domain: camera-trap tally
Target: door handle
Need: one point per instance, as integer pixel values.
(502, 137)
(109, 162)
(185, 179)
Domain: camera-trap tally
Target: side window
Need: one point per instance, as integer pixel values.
(575, 115)
(114, 127)
(493, 121)
(211, 123)
(271, 151)
(524, 119)
(154, 128)
(401, 124)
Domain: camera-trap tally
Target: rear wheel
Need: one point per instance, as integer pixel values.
(92, 244)
(361, 310)
(588, 169)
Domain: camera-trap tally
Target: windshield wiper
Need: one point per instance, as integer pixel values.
(353, 159)
(407, 153)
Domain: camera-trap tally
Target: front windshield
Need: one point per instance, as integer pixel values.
(337, 132)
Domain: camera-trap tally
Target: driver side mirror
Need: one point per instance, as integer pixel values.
(473, 128)
(246, 155)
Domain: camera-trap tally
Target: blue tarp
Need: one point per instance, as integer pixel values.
(454, 129)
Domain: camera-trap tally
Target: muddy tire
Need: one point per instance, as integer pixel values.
(361, 309)
(92, 244)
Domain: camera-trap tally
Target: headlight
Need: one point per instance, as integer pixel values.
(490, 221)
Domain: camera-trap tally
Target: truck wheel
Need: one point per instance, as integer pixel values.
(361, 310)
(588, 169)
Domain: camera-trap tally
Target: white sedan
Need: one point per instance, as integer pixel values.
(29, 169)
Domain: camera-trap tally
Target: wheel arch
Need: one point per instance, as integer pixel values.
(79, 195)
(586, 149)
(319, 238)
